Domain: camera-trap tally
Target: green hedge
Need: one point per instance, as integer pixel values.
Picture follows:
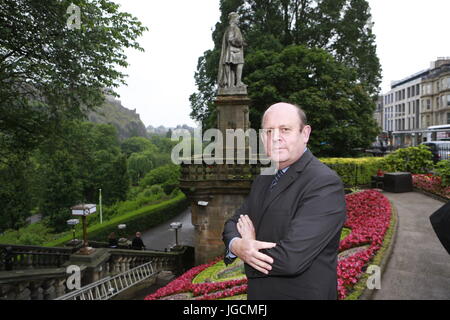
(138, 220)
(355, 171)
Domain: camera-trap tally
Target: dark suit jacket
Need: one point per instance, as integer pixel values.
(304, 215)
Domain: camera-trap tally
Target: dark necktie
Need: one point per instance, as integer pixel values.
(276, 178)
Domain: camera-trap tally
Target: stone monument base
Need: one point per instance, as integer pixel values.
(242, 90)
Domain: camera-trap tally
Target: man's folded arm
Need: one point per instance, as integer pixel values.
(230, 231)
(317, 221)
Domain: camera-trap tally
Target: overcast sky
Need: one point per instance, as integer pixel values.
(410, 34)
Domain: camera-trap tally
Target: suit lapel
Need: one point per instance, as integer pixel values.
(262, 193)
(285, 181)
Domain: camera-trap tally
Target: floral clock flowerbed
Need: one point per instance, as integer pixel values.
(368, 218)
(187, 286)
(431, 183)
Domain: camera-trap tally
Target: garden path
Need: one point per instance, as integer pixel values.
(419, 267)
(162, 237)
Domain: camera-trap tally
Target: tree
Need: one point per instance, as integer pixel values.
(136, 145)
(338, 109)
(165, 175)
(49, 72)
(74, 166)
(342, 28)
(138, 165)
(16, 197)
(50, 75)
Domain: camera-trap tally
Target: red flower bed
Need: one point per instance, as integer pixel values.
(431, 183)
(368, 216)
(180, 284)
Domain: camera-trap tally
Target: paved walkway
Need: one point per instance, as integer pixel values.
(419, 267)
(162, 237)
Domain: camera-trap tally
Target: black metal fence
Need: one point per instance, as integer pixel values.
(440, 151)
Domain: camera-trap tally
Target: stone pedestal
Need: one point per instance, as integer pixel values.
(94, 263)
(232, 112)
(209, 221)
(217, 190)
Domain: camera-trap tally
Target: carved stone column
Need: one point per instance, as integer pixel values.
(217, 190)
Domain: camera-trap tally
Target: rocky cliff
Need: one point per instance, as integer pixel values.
(126, 121)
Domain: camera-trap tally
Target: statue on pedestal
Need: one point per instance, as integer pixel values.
(232, 59)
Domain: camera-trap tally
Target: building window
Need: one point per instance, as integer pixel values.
(438, 103)
(418, 89)
(448, 117)
(448, 100)
(428, 104)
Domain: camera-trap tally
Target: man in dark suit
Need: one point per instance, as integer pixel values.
(288, 229)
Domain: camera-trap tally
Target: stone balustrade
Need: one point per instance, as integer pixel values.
(30, 283)
(224, 172)
(16, 257)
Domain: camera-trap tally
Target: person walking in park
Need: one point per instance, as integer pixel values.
(288, 229)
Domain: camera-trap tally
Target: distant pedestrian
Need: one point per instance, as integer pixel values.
(137, 243)
(112, 240)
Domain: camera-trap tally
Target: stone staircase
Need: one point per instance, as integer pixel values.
(40, 273)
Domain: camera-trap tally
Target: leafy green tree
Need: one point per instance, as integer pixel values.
(76, 165)
(61, 186)
(341, 28)
(168, 174)
(15, 193)
(138, 165)
(119, 181)
(164, 144)
(50, 72)
(136, 145)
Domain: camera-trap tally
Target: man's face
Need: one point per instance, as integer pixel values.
(282, 138)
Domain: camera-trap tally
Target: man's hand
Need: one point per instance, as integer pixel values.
(247, 248)
(248, 251)
(246, 228)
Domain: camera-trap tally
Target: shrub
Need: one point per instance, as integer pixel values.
(141, 219)
(161, 175)
(34, 234)
(352, 171)
(412, 159)
(442, 169)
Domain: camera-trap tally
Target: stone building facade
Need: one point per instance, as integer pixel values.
(417, 102)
